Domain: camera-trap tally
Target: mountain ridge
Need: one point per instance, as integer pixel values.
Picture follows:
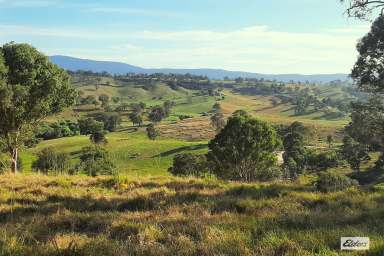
(74, 64)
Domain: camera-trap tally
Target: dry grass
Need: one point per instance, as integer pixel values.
(42, 215)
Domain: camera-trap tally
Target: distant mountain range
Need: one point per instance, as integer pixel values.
(74, 64)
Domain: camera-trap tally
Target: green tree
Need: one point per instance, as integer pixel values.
(294, 151)
(189, 165)
(136, 118)
(90, 126)
(104, 99)
(50, 160)
(244, 148)
(152, 132)
(31, 89)
(157, 114)
(95, 161)
(218, 121)
(98, 137)
(330, 141)
(354, 152)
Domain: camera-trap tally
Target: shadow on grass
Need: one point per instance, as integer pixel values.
(181, 149)
(369, 177)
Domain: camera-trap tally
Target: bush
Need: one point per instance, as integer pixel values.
(56, 130)
(50, 160)
(323, 160)
(95, 161)
(189, 165)
(243, 149)
(331, 181)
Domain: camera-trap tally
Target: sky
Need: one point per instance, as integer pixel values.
(263, 36)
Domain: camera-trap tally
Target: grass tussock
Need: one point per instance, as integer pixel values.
(41, 215)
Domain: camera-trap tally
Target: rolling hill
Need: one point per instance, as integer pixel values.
(73, 64)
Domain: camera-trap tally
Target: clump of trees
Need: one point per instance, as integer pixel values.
(60, 129)
(332, 181)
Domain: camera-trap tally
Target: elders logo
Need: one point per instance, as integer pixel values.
(354, 243)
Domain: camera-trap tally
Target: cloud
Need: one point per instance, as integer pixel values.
(254, 48)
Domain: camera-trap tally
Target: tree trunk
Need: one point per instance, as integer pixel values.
(14, 157)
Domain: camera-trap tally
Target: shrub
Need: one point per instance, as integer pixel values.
(331, 181)
(243, 149)
(50, 160)
(56, 130)
(189, 165)
(95, 161)
(152, 133)
(323, 160)
(90, 126)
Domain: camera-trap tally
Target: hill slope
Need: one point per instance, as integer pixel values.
(74, 64)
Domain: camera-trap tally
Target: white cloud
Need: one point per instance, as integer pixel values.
(255, 48)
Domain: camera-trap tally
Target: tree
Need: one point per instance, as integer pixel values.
(361, 9)
(104, 100)
(216, 108)
(368, 72)
(243, 149)
(167, 106)
(95, 160)
(136, 118)
(111, 121)
(98, 137)
(329, 141)
(294, 151)
(157, 114)
(90, 126)
(354, 153)
(218, 121)
(31, 89)
(152, 133)
(50, 160)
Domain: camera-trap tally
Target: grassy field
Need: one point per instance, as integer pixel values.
(132, 152)
(41, 215)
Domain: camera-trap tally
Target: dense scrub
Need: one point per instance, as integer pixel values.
(42, 215)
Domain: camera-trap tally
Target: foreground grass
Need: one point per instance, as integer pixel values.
(42, 215)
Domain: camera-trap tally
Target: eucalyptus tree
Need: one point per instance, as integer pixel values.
(31, 89)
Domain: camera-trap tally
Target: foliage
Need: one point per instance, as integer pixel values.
(243, 148)
(354, 152)
(90, 126)
(157, 114)
(368, 72)
(31, 88)
(321, 161)
(50, 160)
(189, 165)
(152, 132)
(218, 121)
(367, 119)
(136, 118)
(294, 152)
(94, 161)
(57, 130)
(111, 121)
(167, 106)
(331, 182)
(98, 137)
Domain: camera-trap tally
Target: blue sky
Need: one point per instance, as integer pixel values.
(275, 36)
